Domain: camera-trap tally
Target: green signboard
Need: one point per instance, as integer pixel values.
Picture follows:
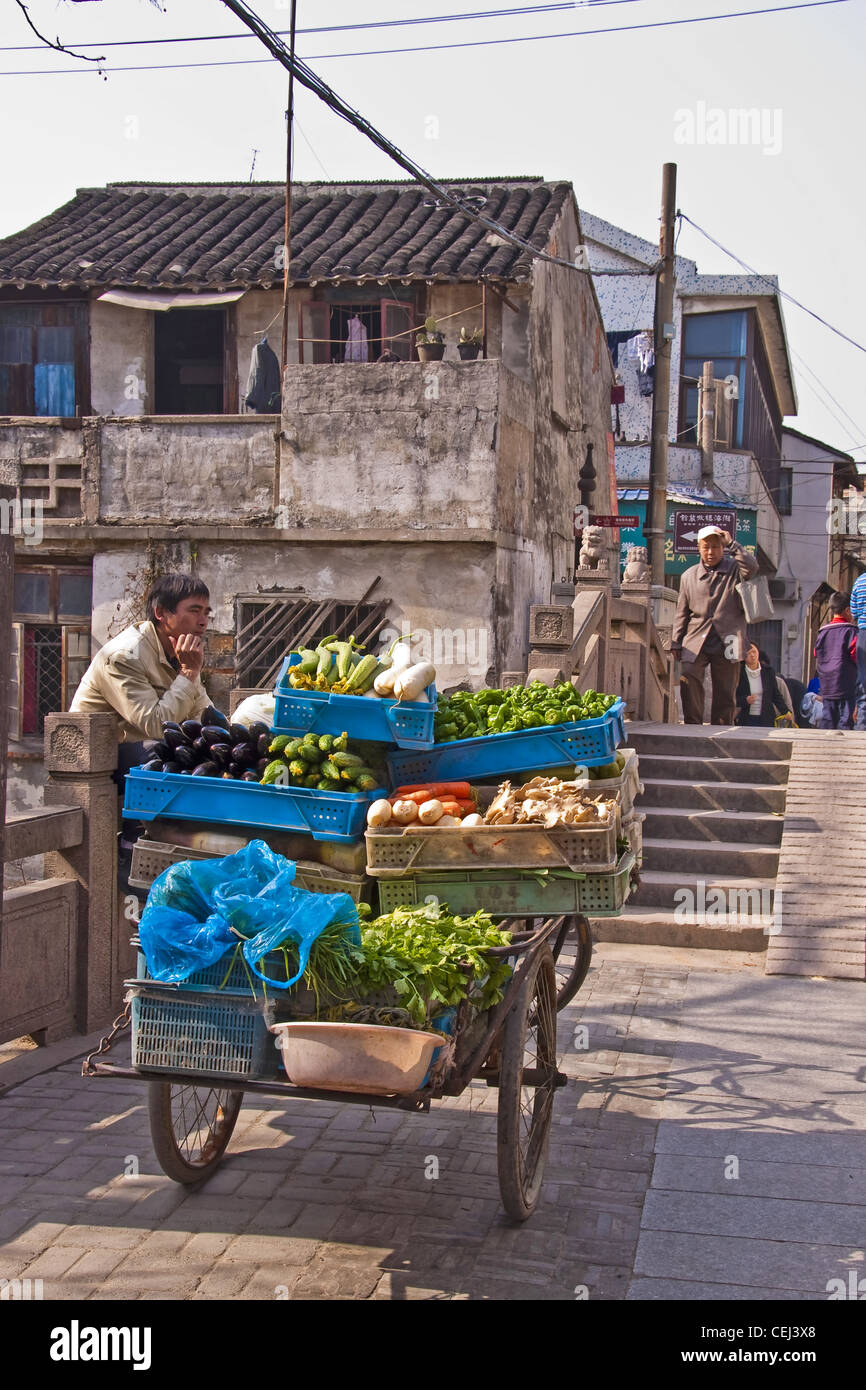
(677, 561)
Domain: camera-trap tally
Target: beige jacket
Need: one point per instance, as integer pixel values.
(132, 677)
(708, 598)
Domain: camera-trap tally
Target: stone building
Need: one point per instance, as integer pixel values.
(435, 495)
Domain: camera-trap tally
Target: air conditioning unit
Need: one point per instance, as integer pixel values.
(785, 590)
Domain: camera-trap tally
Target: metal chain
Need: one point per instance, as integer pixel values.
(120, 1025)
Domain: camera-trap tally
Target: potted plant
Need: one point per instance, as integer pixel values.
(469, 344)
(430, 343)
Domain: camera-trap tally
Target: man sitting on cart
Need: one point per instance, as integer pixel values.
(151, 672)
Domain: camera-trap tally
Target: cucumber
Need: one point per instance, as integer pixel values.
(342, 760)
(326, 785)
(308, 753)
(329, 771)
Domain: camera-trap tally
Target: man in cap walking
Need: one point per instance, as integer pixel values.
(710, 625)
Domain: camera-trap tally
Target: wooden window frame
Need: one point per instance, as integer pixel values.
(35, 299)
(52, 616)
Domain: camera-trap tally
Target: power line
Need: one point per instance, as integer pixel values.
(828, 392)
(441, 47)
(767, 281)
(518, 12)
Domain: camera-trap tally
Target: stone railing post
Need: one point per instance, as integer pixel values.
(80, 757)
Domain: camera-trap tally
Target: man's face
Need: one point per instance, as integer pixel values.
(190, 618)
(711, 550)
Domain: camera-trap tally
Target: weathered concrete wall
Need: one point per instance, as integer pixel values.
(196, 468)
(442, 590)
(572, 379)
(391, 445)
(121, 360)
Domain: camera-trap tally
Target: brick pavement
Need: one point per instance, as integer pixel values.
(315, 1200)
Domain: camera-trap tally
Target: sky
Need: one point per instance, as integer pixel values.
(604, 111)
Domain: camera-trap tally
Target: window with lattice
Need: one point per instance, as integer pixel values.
(50, 643)
(269, 626)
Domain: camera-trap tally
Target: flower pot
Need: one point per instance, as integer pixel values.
(469, 351)
(430, 352)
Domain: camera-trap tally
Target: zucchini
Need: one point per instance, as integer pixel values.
(308, 754)
(342, 760)
(366, 782)
(326, 743)
(298, 768)
(329, 771)
(326, 785)
(312, 779)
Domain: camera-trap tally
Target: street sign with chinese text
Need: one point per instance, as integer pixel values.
(687, 524)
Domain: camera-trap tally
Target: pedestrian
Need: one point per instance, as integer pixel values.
(858, 613)
(759, 695)
(836, 657)
(710, 625)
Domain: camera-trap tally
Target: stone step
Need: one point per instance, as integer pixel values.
(697, 858)
(661, 767)
(711, 796)
(680, 823)
(723, 743)
(664, 889)
(655, 927)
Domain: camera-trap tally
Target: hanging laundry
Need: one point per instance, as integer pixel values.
(263, 383)
(646, 357)
(646, 381)
(357, 348)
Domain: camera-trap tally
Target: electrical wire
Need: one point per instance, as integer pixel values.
(828, 392)
(442, 47)
(517, 12)
(767, 281)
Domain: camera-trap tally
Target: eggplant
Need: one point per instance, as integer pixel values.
(186, 757)
(207, 769)
(172, 766)
(221, 753)
(262, 744)
(201, 745)
(260, 730)
(244, 754)
(237, 769)
(176, 738)
(154, 765)
(149, 748)
(239, 733)
(262, 764)
(250, 776)
(214, 733)
(192, 728)
(162, 750)
(170, 724)
(213, 716)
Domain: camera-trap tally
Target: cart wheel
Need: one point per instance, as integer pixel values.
(190, 1127)
(572, 953)
(526, 1109)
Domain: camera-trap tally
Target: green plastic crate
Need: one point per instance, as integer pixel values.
(512, 893)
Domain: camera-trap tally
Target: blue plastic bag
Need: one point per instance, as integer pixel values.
(198, 910)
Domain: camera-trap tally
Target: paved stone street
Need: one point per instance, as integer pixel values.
(708, 1145)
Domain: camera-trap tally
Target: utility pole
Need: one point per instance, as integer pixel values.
(663, 323)
(707, 419)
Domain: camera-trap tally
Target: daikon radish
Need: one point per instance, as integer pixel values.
(401, 660)
(447, 822)
(404, 811)
(468, 822)
(379, 813)
(430, 812)
(414, 680)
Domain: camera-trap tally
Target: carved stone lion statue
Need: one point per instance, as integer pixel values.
(636, 568)
(592, 548)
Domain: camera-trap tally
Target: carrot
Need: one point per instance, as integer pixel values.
(463, 803)
(453, 808)
(438, 789)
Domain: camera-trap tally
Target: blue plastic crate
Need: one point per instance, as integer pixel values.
(214, 1034)
(222, 801)
(587, 742)
(238, 981)
(408, 724)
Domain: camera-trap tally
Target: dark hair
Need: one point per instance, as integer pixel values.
(171, 589)
(839, 602)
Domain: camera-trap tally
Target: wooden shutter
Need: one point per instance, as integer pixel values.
(75, 659)
(16, 670)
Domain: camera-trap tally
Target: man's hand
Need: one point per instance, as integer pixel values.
(189, 651)
(750, 699)
(725, 538)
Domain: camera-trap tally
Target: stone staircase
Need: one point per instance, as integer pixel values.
(714, 803)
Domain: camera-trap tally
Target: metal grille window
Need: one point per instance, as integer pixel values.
(50, 644)
(270, 626)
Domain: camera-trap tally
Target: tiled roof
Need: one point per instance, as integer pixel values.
(217, 236)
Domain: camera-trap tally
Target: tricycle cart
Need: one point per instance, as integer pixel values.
(511, 1047)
